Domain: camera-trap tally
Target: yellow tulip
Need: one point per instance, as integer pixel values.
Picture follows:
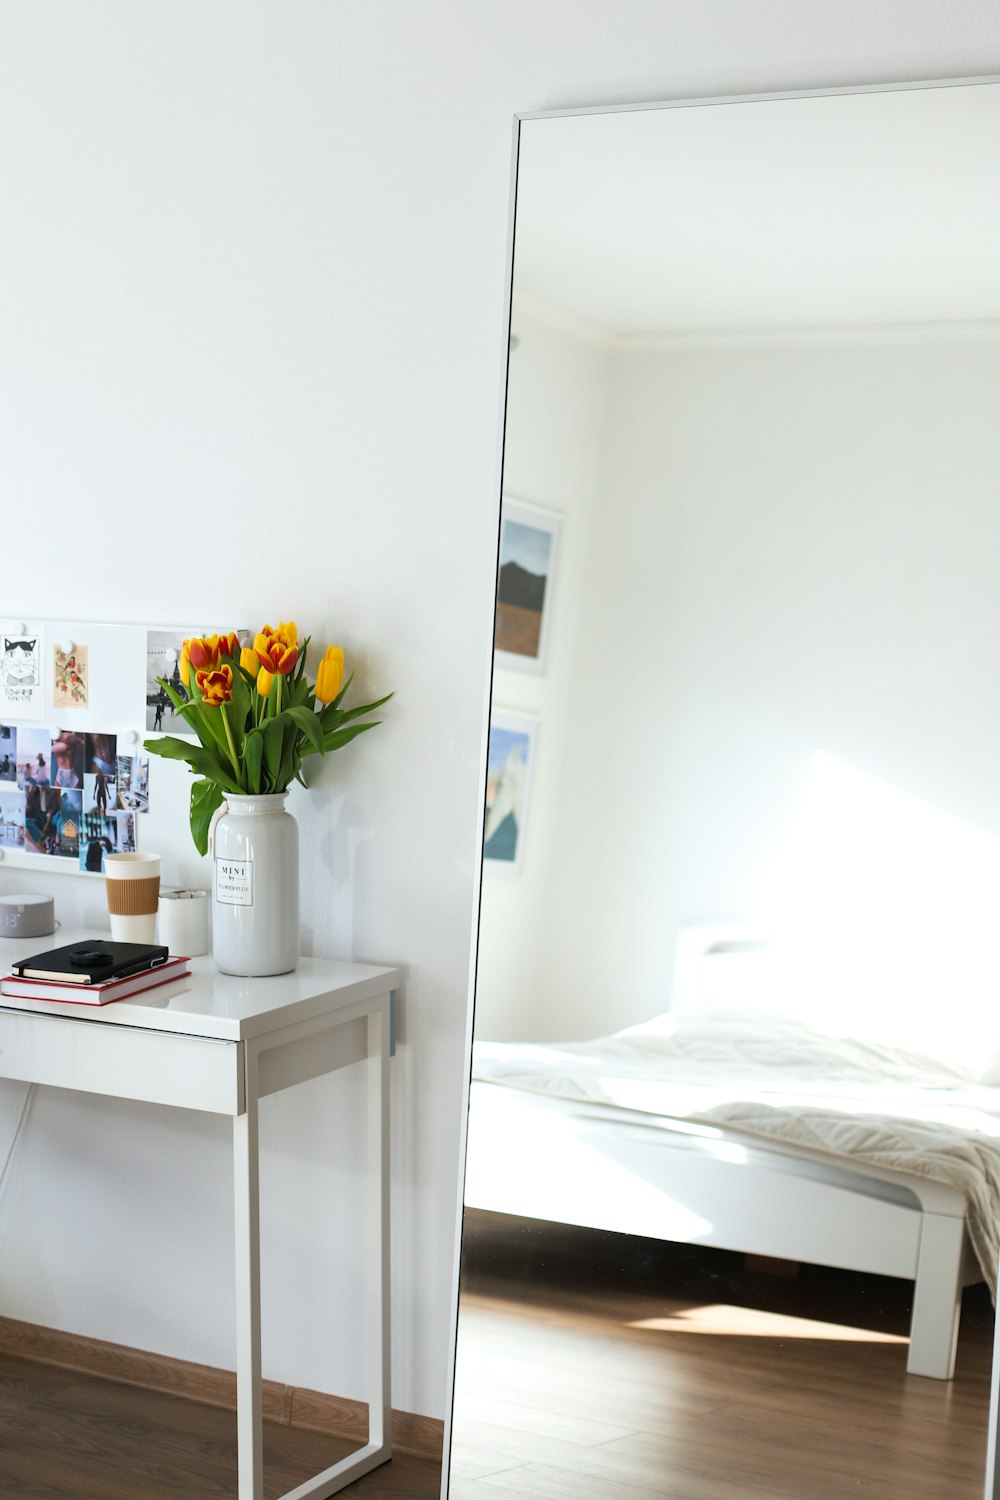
(248, 661)
(264, 680)
(330, 674)
(185, 665)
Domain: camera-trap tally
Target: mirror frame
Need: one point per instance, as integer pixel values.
(992, 1483)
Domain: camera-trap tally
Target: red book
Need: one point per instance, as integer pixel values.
(94, 994)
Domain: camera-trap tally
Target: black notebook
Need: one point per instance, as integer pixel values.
(91, 962)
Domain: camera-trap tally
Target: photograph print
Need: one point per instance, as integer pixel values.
(508, 766)
(132, 791)
(163, 659)
(11, 818)
(66, 767)
(100, 836)
(34, 757)
(524, 585)
(42, 819)
(8, 753)
(100, 752)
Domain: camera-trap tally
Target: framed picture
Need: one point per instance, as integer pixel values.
(528, 540)
(508, 770)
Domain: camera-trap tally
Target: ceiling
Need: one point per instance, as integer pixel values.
(826, 212)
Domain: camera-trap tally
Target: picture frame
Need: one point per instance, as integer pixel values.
(509, 766)
(529, 544)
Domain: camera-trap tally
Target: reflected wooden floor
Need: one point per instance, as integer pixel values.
(67, 1436)
(599, 1368)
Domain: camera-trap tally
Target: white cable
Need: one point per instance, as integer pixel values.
(30, 1094)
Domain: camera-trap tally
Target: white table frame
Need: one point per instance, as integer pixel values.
(220, 1044)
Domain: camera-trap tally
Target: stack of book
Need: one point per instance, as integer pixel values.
(88, 989)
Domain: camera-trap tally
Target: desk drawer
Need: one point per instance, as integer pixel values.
(192, 1072)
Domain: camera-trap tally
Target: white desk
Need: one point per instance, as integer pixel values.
(220, 1044)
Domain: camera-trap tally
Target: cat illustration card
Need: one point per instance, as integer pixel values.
(21, 695)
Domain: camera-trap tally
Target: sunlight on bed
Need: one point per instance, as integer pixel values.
(748, 1322)
(884, 909)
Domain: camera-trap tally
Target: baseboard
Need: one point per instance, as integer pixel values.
(293, 1405)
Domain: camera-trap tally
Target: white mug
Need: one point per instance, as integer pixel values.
(184, 921)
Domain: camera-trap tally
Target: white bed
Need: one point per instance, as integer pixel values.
(722, 1125)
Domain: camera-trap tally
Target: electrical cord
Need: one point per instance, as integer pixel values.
(22, 1120)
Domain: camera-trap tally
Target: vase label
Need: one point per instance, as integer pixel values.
(234, 882)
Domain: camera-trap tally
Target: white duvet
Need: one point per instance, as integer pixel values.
(772, 1077)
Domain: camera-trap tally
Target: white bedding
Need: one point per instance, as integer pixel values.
(772, 1077)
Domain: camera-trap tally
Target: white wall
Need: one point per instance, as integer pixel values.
(251, 277)
(556, 406)
(790, 558)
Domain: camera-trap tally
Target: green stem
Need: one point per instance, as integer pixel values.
(277, 687)
(232, 748)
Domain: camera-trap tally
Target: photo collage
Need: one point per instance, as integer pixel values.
(69, 794)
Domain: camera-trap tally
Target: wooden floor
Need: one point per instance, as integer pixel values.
(66, 1436)
(596, 1368)
(589, 1368)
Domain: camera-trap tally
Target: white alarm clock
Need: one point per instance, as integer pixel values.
(26, 916)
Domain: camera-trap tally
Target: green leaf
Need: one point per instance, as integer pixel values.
(172, 693)
(170, 748)
(206, 797)
(274, 731)
(198, 757)
(344, 715)
(207, 724)
(239, 708)
(340, 737)
(306, 720)
(253, 755)
(340, 696)
(289, 756)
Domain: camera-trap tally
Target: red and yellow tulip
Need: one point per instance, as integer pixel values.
(278, 650)
(216, 687)
(203, 652)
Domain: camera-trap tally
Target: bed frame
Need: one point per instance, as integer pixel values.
(605, 1168)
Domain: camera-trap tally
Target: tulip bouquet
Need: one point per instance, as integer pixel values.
(256, 716)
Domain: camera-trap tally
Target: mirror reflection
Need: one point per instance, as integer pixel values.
(734, 1131)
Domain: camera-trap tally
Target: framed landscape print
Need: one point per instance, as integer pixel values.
(508, 770)
(528, 540)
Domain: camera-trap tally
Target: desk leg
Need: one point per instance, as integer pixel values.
(249, 1425)
(380, 1405)
(992, 1486)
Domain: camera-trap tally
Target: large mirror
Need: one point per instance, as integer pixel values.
(734, 1129)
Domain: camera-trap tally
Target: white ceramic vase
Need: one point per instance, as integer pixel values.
(255, 917)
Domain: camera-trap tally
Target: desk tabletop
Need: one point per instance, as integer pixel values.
(209, 1004)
